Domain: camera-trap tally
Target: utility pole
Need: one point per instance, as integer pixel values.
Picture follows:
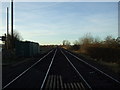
(118, 39)
(12, 42)
(7, 21)
(7, 39)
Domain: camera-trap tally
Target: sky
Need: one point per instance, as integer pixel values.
(53, 22)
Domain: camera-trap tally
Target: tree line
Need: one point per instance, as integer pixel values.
(106, 50)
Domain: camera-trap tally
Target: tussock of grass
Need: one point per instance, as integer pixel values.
(111, 65)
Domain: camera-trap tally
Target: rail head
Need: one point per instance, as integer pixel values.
(94, 68)
(48, 71)
(90, 88)
(25, 71)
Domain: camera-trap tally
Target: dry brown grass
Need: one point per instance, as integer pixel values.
(107, 55)
(113, 66)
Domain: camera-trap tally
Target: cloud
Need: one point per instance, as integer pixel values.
(53, 22)
(36, 33)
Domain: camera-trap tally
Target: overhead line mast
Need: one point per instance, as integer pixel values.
(7, 21)
(12, 24)
(7, 36)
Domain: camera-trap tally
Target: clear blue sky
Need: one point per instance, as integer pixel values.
(53, 22)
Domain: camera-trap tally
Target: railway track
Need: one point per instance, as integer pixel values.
(17, 82)
(62, 70)
(62, 75)
(95, 77)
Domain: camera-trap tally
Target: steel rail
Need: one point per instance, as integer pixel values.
(95, 68)
(25, 70)
(48, 70)
(77, 71)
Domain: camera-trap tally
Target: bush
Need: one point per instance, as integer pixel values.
(104, 53)
(75, 47)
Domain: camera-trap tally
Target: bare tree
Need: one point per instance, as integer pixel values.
(96, 40)
(63, 42)
(76, 42)
(118, 40)
(109, 40)
(66, 42)
(16, 37)
(87, 39)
